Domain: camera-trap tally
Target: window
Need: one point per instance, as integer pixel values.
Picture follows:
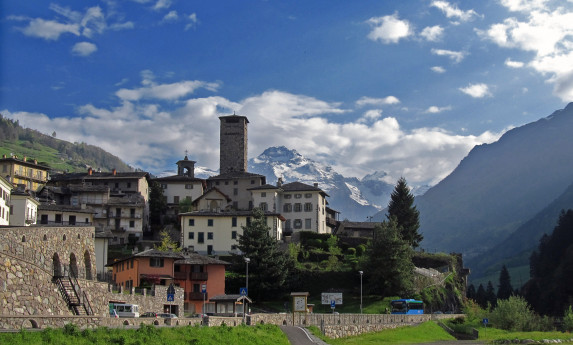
(233, 235)
(129, 185)
(307, 223)
(209, 250)
(72, 220)
(248, 220)
(188, 186)
(209, 222)
(235, 205)
(201, 238)
(191, 236)
(234, 222)
(263, 194)
(155, 262)
(58, 216)
(209, 235)
(176, 199)
(308, 207)
(131, 263)
(287, 208)
(308, 195)
(252, 181)
(132, 224)
(263, 206)
(217, 183)
(235, 182)
(117, 185)
(235, 191)
(298, 196)
(287, 224)
(164, 185)
(298, 224)
(288, 196)
(191, 222)
(297, 207)
(226, 183)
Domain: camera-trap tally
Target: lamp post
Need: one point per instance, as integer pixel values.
(360, 290)
(247, 260)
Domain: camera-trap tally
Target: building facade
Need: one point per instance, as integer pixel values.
(30, 174)
(23, 209)
(5, 191)
(233, 143)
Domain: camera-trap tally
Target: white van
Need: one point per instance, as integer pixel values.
(126, 310)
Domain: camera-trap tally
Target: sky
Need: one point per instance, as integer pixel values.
(405, 87)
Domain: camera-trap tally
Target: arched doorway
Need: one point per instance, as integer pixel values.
(73, 265)
(56, 265)
(88, 264)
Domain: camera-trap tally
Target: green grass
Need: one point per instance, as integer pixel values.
(39, 152)
(150, 335)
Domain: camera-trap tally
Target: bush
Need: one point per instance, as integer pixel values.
(351, 251)
(514, 314)
(568, 320)
(360, 249)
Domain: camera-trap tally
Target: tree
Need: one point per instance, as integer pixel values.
(504, 289)
(185, 205)
(389, 261)
(268, 266)
(471, 292)
(490, 296)
(481, 297)
(157, 203)
(401, 206)
(167, 244)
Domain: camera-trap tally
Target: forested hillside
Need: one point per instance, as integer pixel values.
(58, 154)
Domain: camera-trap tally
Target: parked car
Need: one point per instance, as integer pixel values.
(149, 314)
(168, 316)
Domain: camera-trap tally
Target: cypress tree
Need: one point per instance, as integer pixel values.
(401, 206)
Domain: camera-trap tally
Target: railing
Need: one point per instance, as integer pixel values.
(181, 275)
(199, 276)
(76, 223)
(194, 296)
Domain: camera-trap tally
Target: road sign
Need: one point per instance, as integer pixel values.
(170, 297)
(333, 304)
(243, 291)
(485, 321)
(203, 288)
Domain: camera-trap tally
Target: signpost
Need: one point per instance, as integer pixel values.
(204, 292)
(485, 322)
(332, 305)
(171, 293)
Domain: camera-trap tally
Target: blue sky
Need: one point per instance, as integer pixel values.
(406, 87)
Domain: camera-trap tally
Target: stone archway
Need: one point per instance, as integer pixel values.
(56, 265)
(88, 264)
(73, 265)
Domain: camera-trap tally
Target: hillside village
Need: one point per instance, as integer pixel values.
(117, 205)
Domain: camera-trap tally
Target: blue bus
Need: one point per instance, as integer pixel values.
(407, 306)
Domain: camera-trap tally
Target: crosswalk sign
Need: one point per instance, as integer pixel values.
(243, 291)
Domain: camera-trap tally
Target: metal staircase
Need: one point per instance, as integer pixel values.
(72, 293)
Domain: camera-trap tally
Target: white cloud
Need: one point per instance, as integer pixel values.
(363, 101)
(438, 69)
(162, 4)
(476, 90)
(84, 48)
(432, 33)
(453, 55)
(192, 19)
(434, 109)
(545, 31)
(513, 64)
(171, 16)
(452, 11)
(151, 135)
(389, 29)
(49, 29)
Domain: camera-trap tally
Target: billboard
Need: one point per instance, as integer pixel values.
(327, 297)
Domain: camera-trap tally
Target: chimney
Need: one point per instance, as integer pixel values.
(316, 185)
(35, 161)
(3, 156)
(280, 182)
(114, 172)
(90, 171)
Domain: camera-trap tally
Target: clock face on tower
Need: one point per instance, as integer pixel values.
(299, 303)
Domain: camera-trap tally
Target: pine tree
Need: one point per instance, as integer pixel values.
(157, 203)
(491, 298)
(471, 292)
(167, 244)
(389, 262)
(481, 297)
(401, 206)
(268, 266)
(504, 289)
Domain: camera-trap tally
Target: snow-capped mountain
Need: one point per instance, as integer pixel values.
(355, 199)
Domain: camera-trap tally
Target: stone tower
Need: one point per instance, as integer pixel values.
(185, 167)
(233, 144)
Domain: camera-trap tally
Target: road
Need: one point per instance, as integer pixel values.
(300, 336)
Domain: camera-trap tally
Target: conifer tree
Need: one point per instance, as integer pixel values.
(471, 292)
(504, 289)
(268, 266)
(481, 297)
(490, 294)
(401, 206)
(157, 203)
(389, 261)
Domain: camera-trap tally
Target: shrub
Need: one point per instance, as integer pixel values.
(360, 249)
(514, 314)
(568, 320)
(351, 251)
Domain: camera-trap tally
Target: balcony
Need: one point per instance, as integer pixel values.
(198, 296)
(199, 276)
(76, 223)
(181, 275)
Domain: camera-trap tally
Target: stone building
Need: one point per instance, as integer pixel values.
(233, 144)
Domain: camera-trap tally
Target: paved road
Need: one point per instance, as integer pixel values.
(300, 336)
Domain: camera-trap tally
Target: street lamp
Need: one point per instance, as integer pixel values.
(247, 260)
(360, 290)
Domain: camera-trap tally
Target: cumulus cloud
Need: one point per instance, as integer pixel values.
(432, 33)
(547, 32)
(452, 11)
(513, 64)
(150, 135)
(434, 109)
(476, 90)
(192, 21)
(364, 101)
(438, 69)
(389, 29)
(162, 4)
(84, 48)
(48, 29)
(453, 55)
(171, 16)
